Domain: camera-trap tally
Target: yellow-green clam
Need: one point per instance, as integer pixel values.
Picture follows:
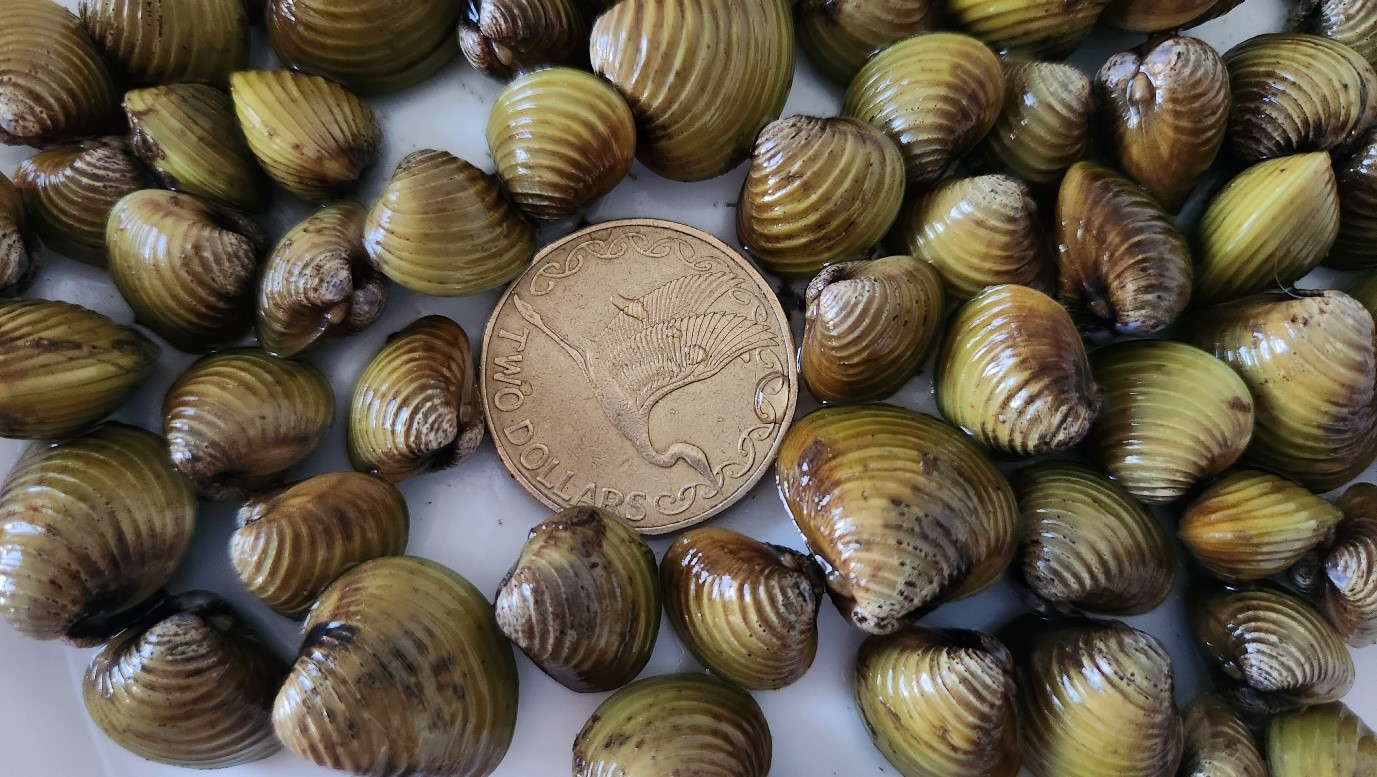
(1049, 29)
(1326, 740)
(840, 35)
(1044, 125)
(164, 41)
(53, 83)
(1218, 743)
(1350, 22)
(1162, 15)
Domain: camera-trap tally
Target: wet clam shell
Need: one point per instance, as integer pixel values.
(934, 94)
(401, 671)
(17, 260)
(236, 420)
(838, 36)
(584, 571)
(64, 367)
(91, 528)
(1218, 743)
(502, 38)
(1047, 29)
(902, 511)
(291, 543)
(1356, 178)
(869, 326)
(1326, 740)
(1044, 125)
(1350, 22)
(675, 724)
(53, 84)
(165, 41)
(1013, 373)
(1156, 16)
(746, 610)
(939, 702)
(1345, 579)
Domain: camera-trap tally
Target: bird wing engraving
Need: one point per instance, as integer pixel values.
(680, 297)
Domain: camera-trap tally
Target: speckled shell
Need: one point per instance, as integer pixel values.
(91, 528)
(819, 191)
(702, 77)
(502, 38)
(1048, 29)
(17, 260)
(64, 367)
(53, 84)
(1356, 177)
(1161, 15)
(1044, 125)
(1344, 578)
(163, 41)
(675, 724)
(934, 94)
(236, 420)
(1013, 373)
(840, 35)
(434, 202)
(401, 671)
(1218, 744)
(902, 511)
(291, 543)
(1326, 740)
(1350, 22)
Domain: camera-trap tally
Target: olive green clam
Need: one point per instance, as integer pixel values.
(675, 724)
(1363, 288)
(190, 686)
(1326, 740)
(838, 36)
(186, 134)
(747, 610)
(1048, 29)
(934, 94)
(502, 38)
(318, 284)
(587, 572)
(92, 527)
(1014, 374)
(1342, 577)
(1164, 109)
(289, 544)
(939, 702)
(1044, 124)
(1162, 15)
(1350, 22)
(1356, 177)
(187, 267)
(1218, 743)
(236, 420)
(370, 46)
(17, 260)
(165, 41)
(416, 407)
(401, 670)
(902, 510)
(869, 326)
(561, 139)
(64, 367)
(1087, 544)
(311, 136)
(54, 86)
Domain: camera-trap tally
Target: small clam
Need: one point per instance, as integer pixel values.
(934, 94)
(978, 232)
(1294, 93)
(1013, 373)
(371, 46)
(92, 527)
(416, 407)
(940, 702)
(840, 35)
(1343, 580)
(317, 283)
(583, 572)
(1356, 178)
(1164, 108)
(1159, 16)
(1270, 225)
(64, 367)
(1096, 698)
(53, 83)
(1326, 740)
(190, 686)
(1270, 652)
(1047, 29)
(561, 138)
(186, 267)
(1218, 743)
(689, 724)
(902, 511)
(17, 261)
(748, 611)
(434, 202)
(164, 41)
(291, 543)
(236, 420)
(69, 191)
(1350, 22)
(401, 671)
(311, 136)
(187, 135)
(1044, 125)
(819, 191)
(502, 38)
(1123, 264)
(1172, 416)
(1251, 524)
(1088, 544)
(869, 327)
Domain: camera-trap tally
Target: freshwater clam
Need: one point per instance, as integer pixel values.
(902, 511)
(163, 41)
(819, 191)
(1044, 125)
(1363, 288)
(1342, 577)
(583, 572)
(1155, 16)
(190, 686)
(1218, 743)
(1356, 178)
(675, 724)
(64, 367)
(502, 38)
(869, 325)
(1013, 373)
(91, 527)
(53, 84)
(840, 35)
(292, 542)
(934, 94)
(416, 407)
(236, 420)
(1048, 29)
(1326, 740)
(17, 261)
(1350, 22)
(401, 671)
(939, 702)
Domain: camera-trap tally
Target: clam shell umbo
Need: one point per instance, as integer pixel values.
(17, 260)
(1044, 126)
(165, 41)
(1326, 740)
(502, 38)
(1218, 743)
(1350, 22)
(53, 84)
(1345, 576)
(840, 35)
(1047, 29)
(1356, 178)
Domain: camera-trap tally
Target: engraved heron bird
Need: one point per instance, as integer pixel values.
(655, 345)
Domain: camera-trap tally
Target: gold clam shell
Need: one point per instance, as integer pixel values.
(1326, 740)
(1044, 125)
(1158, 16)
(53, 83)
(1356, 178)
(165, 41)
(1046, 29)
(840, 35)
(502, 38)
(17, 260)
(1343, 580)
(1218, 743)
(1350, 22)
